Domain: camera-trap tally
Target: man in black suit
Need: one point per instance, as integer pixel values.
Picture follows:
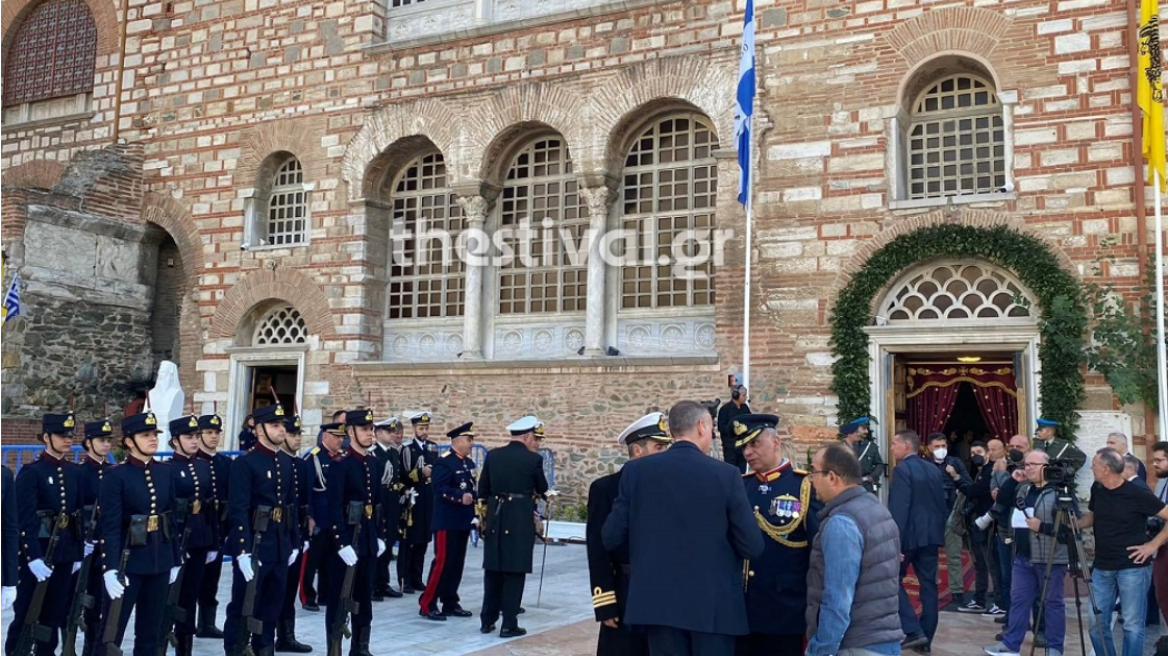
(688, 526)
(386, 449)
(509, 485)
(9, 539)
(726, 415)
(916, 500)
(609, 570)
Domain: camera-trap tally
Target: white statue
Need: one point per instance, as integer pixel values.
(166, 399)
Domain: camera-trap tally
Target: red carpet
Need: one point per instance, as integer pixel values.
(943, 596)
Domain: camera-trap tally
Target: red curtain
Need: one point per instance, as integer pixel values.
(932, 393)
(999, 408)
(929, 410)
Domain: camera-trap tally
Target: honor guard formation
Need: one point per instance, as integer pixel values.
(779, 558)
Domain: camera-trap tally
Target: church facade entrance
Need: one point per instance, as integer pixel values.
(269, 368)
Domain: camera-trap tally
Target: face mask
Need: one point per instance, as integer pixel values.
(940, 454)
(1016, 455)
(977, 461)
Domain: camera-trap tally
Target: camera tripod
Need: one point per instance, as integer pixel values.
(1076, 567)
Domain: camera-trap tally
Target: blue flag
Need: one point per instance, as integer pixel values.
(11, 307)
(745, 107)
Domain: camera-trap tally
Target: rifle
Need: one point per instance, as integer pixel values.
(110, 638)
(174, 613)
(249, 625)
(82, 600)
(33, 631)
(348, 606)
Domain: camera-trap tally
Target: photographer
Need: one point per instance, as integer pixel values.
(979, 500)
(1008, 473)
(1034, 506)
(954, 476)
(1119, 511)
(726, 415)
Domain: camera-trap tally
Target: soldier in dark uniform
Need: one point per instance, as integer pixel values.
(387, 450)
(137, 504)
(454, 499)
(210, 432)
(262, 490)
(857, 434)
(511, 482)
(192, 485)
(48, 494)
(96, 443)
(320, 545)
(418, 456)
(1048, 441)
(608, 571)
(286, 630)
(786, 513)
(353, 494)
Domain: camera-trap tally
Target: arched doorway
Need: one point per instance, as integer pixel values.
(267, 363)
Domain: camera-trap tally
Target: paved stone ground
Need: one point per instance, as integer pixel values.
(562, 623)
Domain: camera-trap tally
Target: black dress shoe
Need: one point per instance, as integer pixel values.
(522, 610)
(311, 607)
(923, 649)
(512, 633)
(408, 590)
(913, 641)
(433, 615)
(393, 594)
(457, 612)
(1002, 619)
(377, 596)
(487, 628)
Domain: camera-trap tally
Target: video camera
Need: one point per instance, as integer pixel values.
(712, 408)
(1058, 475)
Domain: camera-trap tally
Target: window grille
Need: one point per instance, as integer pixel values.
(670, 188)
(283, 325)
(420, 284)
(949, 290)
(52, 54)
(957, 140)
(541, 185)
(405, 3)
(287, 205)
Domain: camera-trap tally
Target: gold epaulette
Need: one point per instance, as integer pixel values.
(801, 472)
(446, 453)
(315, 450)
(602, 598)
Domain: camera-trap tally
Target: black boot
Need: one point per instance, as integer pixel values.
(286, 639)
(207, 623)
(185, 646)
(266, 651)
(359, 646)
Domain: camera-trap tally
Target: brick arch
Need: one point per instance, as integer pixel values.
(298, 136)
(428, 118)
(970, 217)
(971, 30)
(265, 285)
(37, 174)
(622, 101)
(105, 18)
(170, 215)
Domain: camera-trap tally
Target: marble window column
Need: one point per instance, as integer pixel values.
(599, 199)
(475, 209)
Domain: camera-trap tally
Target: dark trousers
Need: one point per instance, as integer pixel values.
(446, 570)
(362, 591)
(53, 610)
(1004, 562)
(315, 574)
(668, 641)
(146, 596)
(733, 456)
(502, 593)
(188, 595)
(765, 644)
(382, 581)
(978, 546)
(416, 564)
(924, 563)
(622, 642)
(94, 587)
(292, 588)
(270, 580)
(209, 586)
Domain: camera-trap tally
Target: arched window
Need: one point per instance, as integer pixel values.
(51, 55)
(670, 189)
(282, 325)
(545, 273)
(944, 291)
(956, 140)
(287, 205)
(427, 279)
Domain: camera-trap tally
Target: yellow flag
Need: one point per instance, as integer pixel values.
(1150, 94)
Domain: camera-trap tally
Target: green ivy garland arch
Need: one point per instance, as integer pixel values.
(1062, 323)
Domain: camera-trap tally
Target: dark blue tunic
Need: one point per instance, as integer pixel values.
(453, 477)
(355, 478)
(47, 487)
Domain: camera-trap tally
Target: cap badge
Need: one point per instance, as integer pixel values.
(215, 420)
(106, 427)
(369, 416)
(279, 411)
(193, 423)
(739, 428)
(661, 424)
(150, 419)
(69, 422)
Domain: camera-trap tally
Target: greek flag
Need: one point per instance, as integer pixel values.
(11, 307)
(745, 108)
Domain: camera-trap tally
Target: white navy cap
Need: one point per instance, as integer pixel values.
(524, 425)
(421, 418)
(651, 426)
(389, 423)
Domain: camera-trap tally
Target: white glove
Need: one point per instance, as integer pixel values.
(304, 549)
(551, 493)
(174, 574)
(292, 556)
(211, 556)
(244, 562)
(984, 521)
(88, 548)
(7, 596)
(380, 547)
(474, 522)
(76, 567)
(40, 570)
(113, 587)
(349, 555)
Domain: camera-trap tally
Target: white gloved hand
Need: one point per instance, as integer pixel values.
(7, 597)
(113, 586)
(380, 547)
(349, 555)
(174, 574)
(474, 522)
(244, 563)
(40, 570)
(304, 549)
(76, 567)
(292, 556)
(88, 548)
(551, 493)
(211, 556)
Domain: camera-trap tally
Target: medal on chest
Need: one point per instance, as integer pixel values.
(786, 507)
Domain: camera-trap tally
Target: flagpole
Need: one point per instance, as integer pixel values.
(747, 66)
(1161, 361)
(749, 256)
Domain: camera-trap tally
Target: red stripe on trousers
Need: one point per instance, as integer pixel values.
(435, 571)
(300, 581)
